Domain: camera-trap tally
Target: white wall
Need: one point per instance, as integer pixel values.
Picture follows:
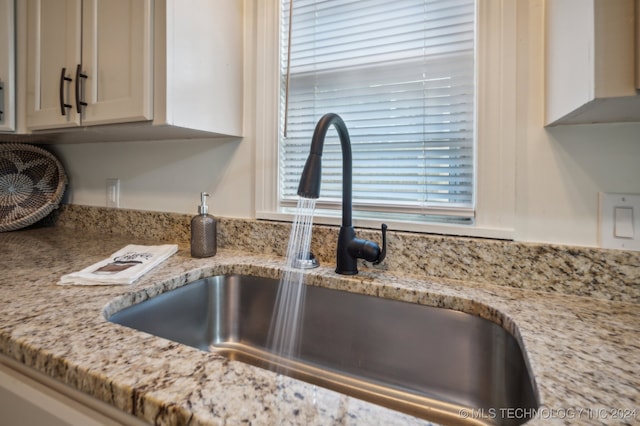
(559, 171)
(165, 176)
(559, 174)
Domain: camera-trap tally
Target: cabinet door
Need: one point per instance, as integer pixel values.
(7, 66)
(590, 63)
(53, 37)
(116, 59)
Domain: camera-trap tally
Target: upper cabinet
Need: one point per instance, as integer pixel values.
(7, 67)
(107, 70)
(89, 62)
(638, 44)
(592, 61)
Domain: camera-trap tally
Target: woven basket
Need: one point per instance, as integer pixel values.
(32, 183)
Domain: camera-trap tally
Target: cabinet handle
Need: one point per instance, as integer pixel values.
(1, 102)
(79, 102)
(63, 78)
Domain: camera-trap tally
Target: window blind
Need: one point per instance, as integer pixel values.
(401, 75)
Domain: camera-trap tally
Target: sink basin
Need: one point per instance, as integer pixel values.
(425, 361)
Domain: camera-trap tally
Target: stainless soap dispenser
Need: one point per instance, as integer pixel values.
(203, 231)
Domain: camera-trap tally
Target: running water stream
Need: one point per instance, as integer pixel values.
(289, 307)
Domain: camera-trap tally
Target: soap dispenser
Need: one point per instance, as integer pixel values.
(203, 231)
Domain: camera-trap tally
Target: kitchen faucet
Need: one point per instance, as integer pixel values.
(349, 248)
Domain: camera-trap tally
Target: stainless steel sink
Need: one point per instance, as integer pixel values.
(426, 361)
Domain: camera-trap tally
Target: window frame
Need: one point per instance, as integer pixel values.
(495, 118)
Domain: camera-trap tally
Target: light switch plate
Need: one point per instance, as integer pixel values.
(627, 224)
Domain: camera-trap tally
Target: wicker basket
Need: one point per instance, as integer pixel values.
(32, 183)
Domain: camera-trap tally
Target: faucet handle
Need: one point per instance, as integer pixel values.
(368, 250)
(383, 251)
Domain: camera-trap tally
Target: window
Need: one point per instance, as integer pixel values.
(402, 77)
(497, 35)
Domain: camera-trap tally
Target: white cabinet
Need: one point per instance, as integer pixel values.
(89, 62)
(638, 44)
(7, 67)
(155, 69)
(591, 60)
(28, 398)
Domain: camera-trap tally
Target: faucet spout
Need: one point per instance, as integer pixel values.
(309, 186)
(350, 248)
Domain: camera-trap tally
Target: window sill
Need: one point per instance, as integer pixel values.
(459, 230)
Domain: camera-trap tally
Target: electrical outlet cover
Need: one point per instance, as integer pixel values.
(113, 192)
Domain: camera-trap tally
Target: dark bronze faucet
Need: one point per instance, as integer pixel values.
(350, 248)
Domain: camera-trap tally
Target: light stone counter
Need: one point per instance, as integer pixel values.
(584, 352)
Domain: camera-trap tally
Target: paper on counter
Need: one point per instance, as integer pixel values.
(123, 267)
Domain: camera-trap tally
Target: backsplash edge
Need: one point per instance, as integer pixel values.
(583, 271)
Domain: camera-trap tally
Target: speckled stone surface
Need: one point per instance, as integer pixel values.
(584, 352)
(603, 274)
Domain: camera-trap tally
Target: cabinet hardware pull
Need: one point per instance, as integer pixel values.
(79, 103)
(1, 101)
(63, 78)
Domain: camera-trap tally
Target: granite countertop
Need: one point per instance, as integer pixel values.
(584, 352)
